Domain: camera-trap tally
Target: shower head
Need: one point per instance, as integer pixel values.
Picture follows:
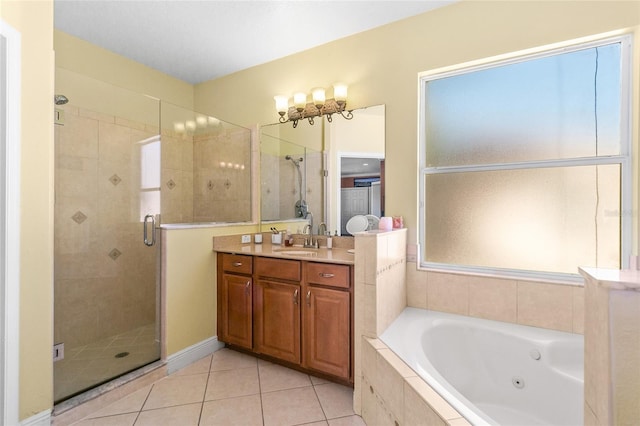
(288, 157)
(60, 99)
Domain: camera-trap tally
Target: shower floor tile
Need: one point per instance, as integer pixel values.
(87, 366)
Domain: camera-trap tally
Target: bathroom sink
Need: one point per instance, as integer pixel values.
(297, 252)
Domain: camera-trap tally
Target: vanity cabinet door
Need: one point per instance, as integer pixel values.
(327, 331)
(276, 311)
(236, 310)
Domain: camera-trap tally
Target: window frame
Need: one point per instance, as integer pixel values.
(624, 159)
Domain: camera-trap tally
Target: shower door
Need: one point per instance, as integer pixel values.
(107, 175)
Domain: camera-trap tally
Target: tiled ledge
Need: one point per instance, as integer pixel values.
(392, 393)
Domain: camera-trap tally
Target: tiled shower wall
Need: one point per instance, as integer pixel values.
(206, 176)
(280, 190)
(100, 258)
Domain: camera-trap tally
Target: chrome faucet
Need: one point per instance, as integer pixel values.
(309, 227)
(322, 228)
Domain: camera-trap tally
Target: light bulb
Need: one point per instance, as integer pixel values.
(282, 104)
(318, 97)
(300, 100)
(340, 92)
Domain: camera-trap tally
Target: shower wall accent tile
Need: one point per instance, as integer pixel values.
(171, 184)
(115, 180)
(115, 254)
(79, 217)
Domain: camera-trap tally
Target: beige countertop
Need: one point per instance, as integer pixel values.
(334, 255)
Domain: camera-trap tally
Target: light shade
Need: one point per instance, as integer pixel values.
(282, 103)
(300, 100)
(340, 92)
(318, 97)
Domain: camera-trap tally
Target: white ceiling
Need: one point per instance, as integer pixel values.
(201, 40)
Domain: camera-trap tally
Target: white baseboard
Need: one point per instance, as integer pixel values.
(40, 419)
(193, 353)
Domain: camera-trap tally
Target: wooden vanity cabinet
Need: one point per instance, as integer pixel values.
(326, 316)
(297, 311)
(276, 308)
(235, 301)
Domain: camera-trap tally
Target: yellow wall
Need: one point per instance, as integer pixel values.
(100, 64)
(381, 67)
(190, 284)
(34, 20)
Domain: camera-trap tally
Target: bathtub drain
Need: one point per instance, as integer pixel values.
(518, 382)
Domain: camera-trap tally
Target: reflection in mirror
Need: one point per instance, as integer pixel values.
(321, 146)
(291, 174)
(206, 168)
(361, 181)
(356, 151)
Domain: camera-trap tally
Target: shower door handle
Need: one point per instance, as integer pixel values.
(147, 241)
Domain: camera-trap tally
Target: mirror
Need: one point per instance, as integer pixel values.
(341, 147)
(291, 173)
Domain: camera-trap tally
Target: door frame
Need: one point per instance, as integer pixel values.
(10, 223)
(338, 177)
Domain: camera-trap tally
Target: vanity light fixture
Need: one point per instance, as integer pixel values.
(319, 106)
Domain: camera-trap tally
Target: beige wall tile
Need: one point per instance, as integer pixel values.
(448, 293)
(493, 299)
(435, 401)
(369, 402)
(545, 305)
(578, 309)
(368, 357)
(390, 382)
(416, 287)
(417, 411)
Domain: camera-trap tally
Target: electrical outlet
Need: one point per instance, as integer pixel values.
(58, 352)
(246, 239)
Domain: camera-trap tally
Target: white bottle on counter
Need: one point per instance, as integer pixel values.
(329, 240)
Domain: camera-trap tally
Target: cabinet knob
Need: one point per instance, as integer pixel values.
(326, 275)
(309, 297)
(295, 297)
(236, 264)
(246, 287)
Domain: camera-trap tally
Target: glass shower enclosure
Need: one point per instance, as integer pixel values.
(106, 251)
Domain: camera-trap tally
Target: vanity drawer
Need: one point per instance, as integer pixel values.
(278, 268)
(237, 263)
(328, 274)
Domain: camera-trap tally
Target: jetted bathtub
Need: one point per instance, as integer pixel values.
(494, 372)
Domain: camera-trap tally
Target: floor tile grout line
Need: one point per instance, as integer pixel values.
(144, 402)
(260, 390)
(319, 402)
(206, 385)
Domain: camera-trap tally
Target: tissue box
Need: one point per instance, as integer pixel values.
(276, 239)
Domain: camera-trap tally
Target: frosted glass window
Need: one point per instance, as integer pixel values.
(150, 165)
(561, 106)
(525, 164)
(534, 219)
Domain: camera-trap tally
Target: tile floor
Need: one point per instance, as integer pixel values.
(230, 388)
(84, 367)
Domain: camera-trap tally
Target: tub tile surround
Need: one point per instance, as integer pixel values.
(537, 304)
(612, 346)
(386, 389)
